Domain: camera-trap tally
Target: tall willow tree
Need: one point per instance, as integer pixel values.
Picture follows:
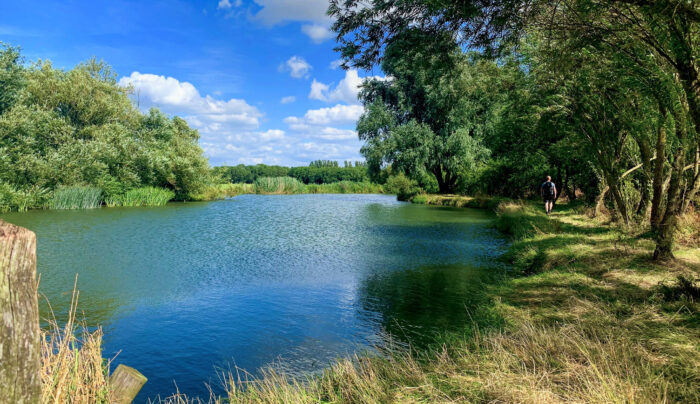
(430, 116)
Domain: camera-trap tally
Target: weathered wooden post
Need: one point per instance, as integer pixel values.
(20, 347)
(125, 383)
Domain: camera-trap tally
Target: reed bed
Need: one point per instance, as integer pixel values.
(344, 187)
(146, 196)
(278, 185)
(223, 191)
(76, 197)
(72, 367)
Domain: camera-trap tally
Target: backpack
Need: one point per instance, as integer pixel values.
(548, 189)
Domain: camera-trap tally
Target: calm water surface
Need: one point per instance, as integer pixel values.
(188, 290)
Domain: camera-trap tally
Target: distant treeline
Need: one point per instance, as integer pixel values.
(318, 172)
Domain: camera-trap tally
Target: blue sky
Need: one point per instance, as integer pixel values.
(257, 78)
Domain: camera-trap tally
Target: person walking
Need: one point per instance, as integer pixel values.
(548, 191)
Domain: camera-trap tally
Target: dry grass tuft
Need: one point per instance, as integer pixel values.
(73, 370)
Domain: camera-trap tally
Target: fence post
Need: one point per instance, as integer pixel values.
(20, 380)
(125, 383)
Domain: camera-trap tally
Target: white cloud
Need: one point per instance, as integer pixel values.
(346, 91)
(339, 114)
(272, 134)
(317, 32)
(288, 100)
(278, 11)
(318, 91)
(297, 67)
(329, 133)
(226, 4)
(182, 98)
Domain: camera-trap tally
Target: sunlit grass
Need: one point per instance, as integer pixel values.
(278, 185)
(72, 367)
(146, 196)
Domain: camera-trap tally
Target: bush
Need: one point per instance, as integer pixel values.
(13, 199)
(146, 196)
(402, 186)
(76, 197)
(278, 185)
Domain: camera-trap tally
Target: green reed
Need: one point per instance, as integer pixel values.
(76, 197)
(146, 196)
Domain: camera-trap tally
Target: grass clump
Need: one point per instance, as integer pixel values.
(222, 191)
(72, 368)
(344, 187)
(76, 197)
(146, 196)
(278, 185)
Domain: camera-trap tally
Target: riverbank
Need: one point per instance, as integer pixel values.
(584, 315)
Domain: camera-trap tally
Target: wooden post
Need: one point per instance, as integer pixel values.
(125, 383)
(20, 347)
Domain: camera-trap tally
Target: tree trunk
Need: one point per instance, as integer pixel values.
(694, 186)
(667, 227)
(645, 186)
(658, 181)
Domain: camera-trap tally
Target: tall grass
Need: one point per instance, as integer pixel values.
(72, 368)
(146, 196)
(278, 185)
(344, 187)
(76, 197)
(223, 191)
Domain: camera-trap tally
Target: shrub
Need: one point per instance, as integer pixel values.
(402, 186)
(76, 197)
(21, 200)
(146, 196)
(420, 199)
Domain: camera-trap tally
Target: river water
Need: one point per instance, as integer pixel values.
(186, 291)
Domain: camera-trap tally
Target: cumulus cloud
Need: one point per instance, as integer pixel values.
(346, 91)
(317, 32)
(339, 114)
(182, 98)
(272, 134)
(297, 67)
(288, 100)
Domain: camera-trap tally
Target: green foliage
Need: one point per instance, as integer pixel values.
(145, 196)
(432, 116)
(79, 127)
(223, 191)
(344, 187)
(404, 187)
(278, 185)
(13, 199)
(76, 197)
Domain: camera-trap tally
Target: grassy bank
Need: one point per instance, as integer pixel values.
(584, 315)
